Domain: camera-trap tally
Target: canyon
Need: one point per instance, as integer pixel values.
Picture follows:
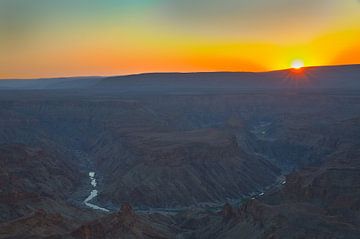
(200, 155)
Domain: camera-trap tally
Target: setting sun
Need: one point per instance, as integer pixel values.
(297, 64)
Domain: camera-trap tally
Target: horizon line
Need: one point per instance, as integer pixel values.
(170, 72)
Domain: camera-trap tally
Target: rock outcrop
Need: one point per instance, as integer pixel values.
(124, 224)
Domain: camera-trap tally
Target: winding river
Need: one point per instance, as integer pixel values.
(93, 194)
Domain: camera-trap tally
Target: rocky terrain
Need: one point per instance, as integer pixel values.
(315, 202)
(206, 155)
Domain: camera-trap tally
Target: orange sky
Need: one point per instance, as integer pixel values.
(62, 38)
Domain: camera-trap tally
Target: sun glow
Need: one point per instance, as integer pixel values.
(130, 37)
(297, 64)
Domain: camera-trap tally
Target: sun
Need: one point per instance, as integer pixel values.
(297, 64)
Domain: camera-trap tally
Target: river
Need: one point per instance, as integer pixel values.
(93, 194)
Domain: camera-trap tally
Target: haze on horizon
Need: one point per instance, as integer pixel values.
(51, 38)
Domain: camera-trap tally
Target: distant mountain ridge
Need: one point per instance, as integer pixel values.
(323, 77)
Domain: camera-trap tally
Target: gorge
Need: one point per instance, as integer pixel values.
(200, 155)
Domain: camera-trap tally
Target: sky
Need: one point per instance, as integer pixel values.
(53, 38)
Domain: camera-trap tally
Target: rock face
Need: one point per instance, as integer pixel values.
(33, 170)
(37, 225)
(35, 186)
(31, 176)
(182, 168)
(126, 209)
(125, 224)
(315, 202)
(90, 231)
(228, 212)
